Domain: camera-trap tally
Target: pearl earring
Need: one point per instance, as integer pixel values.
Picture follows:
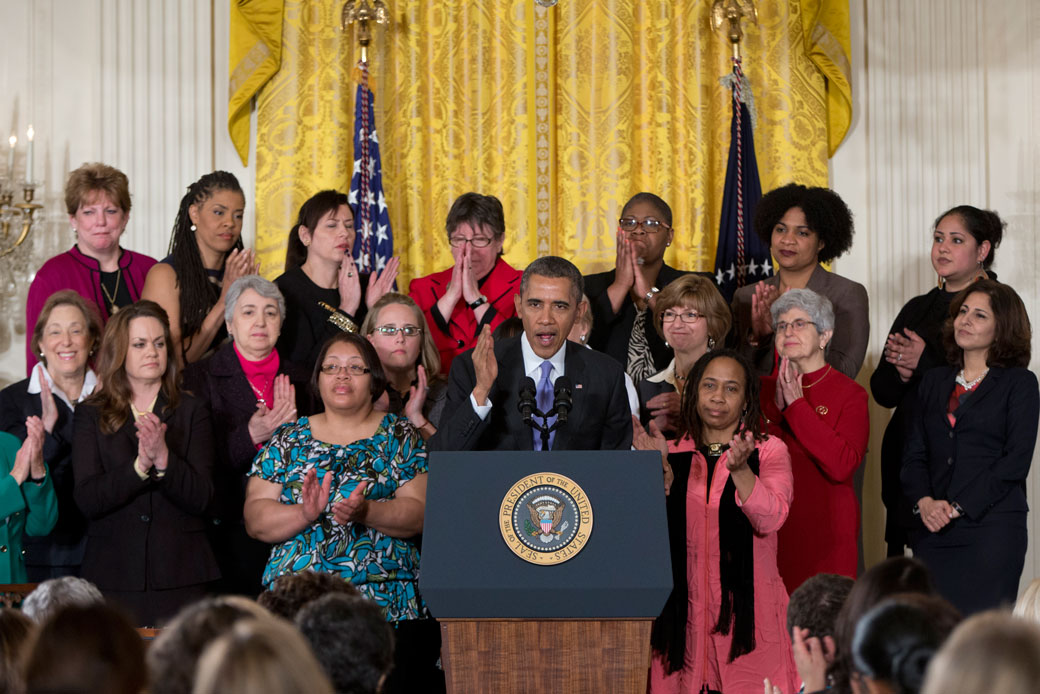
(193, 227)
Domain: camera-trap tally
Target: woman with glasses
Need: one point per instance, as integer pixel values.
(693, 318)
(479, 289)
(415, 387)
(623, 300)
(251, 392)
(325, 293)
(821, 414)
(803, 227)
(344, 492)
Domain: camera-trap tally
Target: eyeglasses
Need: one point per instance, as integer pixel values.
(650, 226)
(476, 241)
(686, 316)
(407, 330)
(350, 369)
(798, 324)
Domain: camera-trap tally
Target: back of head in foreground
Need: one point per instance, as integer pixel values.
(260, 655)
(351, 640)
(991, 652)
(56, 593)
(287, 594)
(816, 603)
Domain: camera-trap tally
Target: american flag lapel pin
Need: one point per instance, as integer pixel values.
(577, 386)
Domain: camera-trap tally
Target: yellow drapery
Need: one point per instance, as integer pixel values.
(254, 55)
(563, 113)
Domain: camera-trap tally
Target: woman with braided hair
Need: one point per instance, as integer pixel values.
(206, 257)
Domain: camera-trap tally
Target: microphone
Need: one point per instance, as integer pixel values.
(562, 401)
(528, 397)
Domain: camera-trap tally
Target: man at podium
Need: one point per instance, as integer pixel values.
(498, 393)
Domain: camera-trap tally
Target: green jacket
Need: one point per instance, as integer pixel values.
(31, 508)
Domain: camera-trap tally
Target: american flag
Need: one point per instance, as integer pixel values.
(374, 243)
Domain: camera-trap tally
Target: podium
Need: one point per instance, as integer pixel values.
(579, 620)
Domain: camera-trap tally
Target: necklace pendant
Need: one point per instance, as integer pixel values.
(114, 311)
(715, 448)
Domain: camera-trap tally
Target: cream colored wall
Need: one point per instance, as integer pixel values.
(947, 97)
(946, 92)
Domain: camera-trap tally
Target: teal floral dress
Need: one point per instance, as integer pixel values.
(384, 569)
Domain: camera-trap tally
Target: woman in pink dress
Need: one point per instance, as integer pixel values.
(723, 630)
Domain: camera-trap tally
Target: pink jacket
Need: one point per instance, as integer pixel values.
(706, 652)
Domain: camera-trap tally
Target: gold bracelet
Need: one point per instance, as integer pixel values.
(339, 319)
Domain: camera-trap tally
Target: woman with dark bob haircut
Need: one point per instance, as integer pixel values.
(344, 492)
(964, 243)
(969, 450)
(803, 228)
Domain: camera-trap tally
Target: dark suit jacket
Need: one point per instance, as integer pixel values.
(611, 331)
(152, 528)
(981, 462)
(600, 419)
(220, 382)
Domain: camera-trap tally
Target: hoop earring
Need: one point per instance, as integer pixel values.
(941, 284)
(982, 274)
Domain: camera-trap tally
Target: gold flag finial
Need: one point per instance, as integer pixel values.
(732, 12)
(362, 12)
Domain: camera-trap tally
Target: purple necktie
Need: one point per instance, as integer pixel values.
(544, 400)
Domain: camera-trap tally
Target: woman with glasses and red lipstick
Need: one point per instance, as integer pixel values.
(344, 492)
(803, 227)
(479, 289)
(623, 300)
(821, 414)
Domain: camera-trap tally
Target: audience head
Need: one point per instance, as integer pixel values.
(173, 656)
(979, 231)
(351, 640)
(803, 226)
(646, 221)
(347, 358)
(549, 302)
(287, 594)
(815, 604)
(582, 327)
(988, 315)
(97, 198)
(722, 392)
(1028, 604)
(56, 593)
(399, 351)
(894, 575)
(16, 631)
(894, 642)
(803, 324)
(990, 652)
(209, 222)
(692, 296)
(254, 310)
(476, 224)
(87, 650)
(135, 349)
(67, 322)
(325, 227)
(510, 327)
(260, 655)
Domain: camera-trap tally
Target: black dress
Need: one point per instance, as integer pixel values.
(306, 326)
(924, 315)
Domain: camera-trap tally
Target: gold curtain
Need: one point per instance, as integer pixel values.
(254, 55)
(563, 113)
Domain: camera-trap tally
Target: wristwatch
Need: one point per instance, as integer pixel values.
(479, 301)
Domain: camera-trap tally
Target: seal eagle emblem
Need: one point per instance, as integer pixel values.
(546, 518)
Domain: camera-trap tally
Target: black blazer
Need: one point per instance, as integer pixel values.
(611, 331)
(600, 419)
(982, 462)
(150, 528)
(220, 382)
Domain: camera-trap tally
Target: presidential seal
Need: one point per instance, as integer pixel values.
(545, 518)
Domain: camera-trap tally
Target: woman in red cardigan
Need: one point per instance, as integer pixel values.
(478, 290)
(821, 414)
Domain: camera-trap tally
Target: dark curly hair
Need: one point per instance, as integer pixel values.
(815, 604)
(654, 201)
(287, 594)
(198, 294)
(983, 225)
(1013, 334)
(351, 640)
(825, 213)
(311, 212)
(690, 420)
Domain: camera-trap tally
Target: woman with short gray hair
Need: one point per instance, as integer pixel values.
(251, 391)
(821, 414)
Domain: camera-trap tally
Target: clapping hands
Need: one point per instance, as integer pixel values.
(265, 421)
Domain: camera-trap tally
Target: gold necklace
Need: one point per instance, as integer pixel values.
(112, 297)
(258, 392)
(716, 448)
(818, 379)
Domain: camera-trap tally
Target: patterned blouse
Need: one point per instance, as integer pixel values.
(385, 569)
